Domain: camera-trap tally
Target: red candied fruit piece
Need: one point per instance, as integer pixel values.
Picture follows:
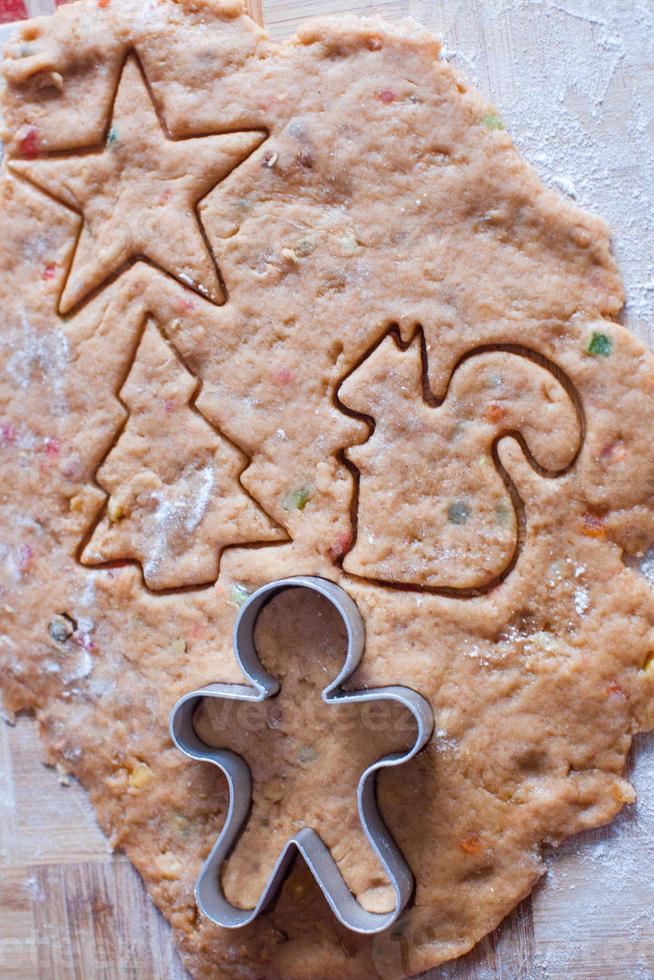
(342, 546)
(51, 446)
(11, 10)
(8, 434)
(283, 376)
(29, 144)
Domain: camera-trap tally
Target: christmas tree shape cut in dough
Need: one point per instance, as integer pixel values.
(436, 509)
(175, 500)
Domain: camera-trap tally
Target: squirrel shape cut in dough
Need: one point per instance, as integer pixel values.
(436, 509)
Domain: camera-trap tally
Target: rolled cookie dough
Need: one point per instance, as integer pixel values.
(310, 344)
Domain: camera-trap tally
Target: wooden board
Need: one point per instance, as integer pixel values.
(68, 907)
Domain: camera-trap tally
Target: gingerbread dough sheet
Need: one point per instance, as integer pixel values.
(271, 310)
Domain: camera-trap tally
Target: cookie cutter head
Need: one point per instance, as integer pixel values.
(209, 894)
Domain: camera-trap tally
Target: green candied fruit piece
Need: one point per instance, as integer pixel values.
(112, 136)
(304, 246)
(599, 345)
(502, 514)
(491, 121)
(458, 512)
(492, 379)
(297, 499)
(239, 595)
(180, 825)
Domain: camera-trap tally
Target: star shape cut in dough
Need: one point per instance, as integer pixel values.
(138, 195)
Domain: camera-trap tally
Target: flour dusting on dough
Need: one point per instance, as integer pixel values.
(563, 101)
(180, 514)
(581, 601)
(39, 354)
(583, 930)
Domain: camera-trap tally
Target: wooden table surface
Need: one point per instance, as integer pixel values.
(574, 81)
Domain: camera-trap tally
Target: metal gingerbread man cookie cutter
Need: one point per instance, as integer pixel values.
(209, 894)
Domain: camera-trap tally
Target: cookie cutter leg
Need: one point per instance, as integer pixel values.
(347, 909)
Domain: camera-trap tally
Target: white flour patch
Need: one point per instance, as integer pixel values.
(581, 601)
(602, 887)
(9, 564)
(573, 83)
(202, 497)
(32, 355)
(179, 511)
(84, 632)
(647, 567)
(82, 668)
(87, 599)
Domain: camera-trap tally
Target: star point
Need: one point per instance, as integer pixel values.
(138, 194)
